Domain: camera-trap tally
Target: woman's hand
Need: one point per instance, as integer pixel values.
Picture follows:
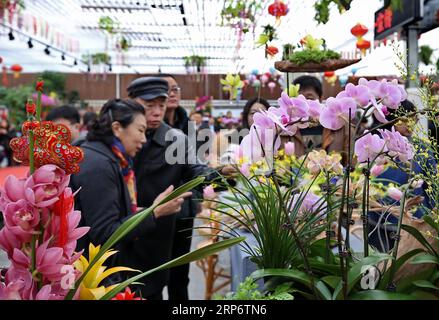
(170, 207)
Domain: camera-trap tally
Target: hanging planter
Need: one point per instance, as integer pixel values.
(312, 58)
(195, 62)
(107, 24)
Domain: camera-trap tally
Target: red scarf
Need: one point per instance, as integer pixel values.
(127, 172)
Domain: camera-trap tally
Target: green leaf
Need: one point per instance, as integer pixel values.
(187, 258)
(425, 284)
(406, 285)
(332, 281)
(379, 295)
(425, 258)
(296, 275)
(356, 272)
(324, 267)
(430, 221)
(129, 225)
(323, 290)
(399, 263)
(423, 295)
(418, 236)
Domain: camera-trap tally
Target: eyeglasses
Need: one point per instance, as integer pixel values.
(175, 89)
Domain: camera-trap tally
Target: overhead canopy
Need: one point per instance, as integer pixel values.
(163, 32)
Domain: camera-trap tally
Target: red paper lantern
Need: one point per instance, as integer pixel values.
(329, 74)
(278, 9)
(359, 30)
(363, 45)
(16, 69)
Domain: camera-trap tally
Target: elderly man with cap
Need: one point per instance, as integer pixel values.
(154, 174)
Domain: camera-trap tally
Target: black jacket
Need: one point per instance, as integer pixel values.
(154, 174)
(105, 204)
(181, 120)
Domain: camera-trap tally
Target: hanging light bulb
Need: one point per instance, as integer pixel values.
(47, 51)
(30, 44)
(11, 35)
(110, 68)
(75, 63)
(63, 57)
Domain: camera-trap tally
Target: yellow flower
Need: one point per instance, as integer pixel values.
(89, 288)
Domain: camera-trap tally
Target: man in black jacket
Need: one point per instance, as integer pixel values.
(176, 117)
(155, 171)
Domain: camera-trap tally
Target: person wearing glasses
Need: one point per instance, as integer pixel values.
(175, 116)
(154, 173)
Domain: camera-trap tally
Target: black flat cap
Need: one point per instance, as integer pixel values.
(148, 88)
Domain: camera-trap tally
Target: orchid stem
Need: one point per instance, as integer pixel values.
(39, 106)
(328, 219)
(365, 210)
(391, 285)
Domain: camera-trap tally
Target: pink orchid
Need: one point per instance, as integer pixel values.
(45, 185)
(73, 233)
(22, 219)
(9, 241)
(209, 193)
(360, 93)
(289, 148)
(394, 193)
(397, 145)
(237, 152)
(336, 113)
(391, 95)
(372, 85)
(379, 111)
(292, 113)
(310, 203)
(377, 169)
(48, 261)
(369, 147)
(258, 144)
(245, 170)
(315, 108)
(12, 191)
(18, 285)
(262, 120)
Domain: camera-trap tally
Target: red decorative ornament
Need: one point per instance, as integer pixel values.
(359, 30)
(62, 208)
(16, 69)
(271, 51)
(329, 74)
(39, 86)
(52, 146)
(363, 45)
(278, 9)
(31, 107)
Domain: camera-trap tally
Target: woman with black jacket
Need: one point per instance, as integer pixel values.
(107, 195)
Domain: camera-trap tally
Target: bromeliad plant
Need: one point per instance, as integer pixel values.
(41, 225)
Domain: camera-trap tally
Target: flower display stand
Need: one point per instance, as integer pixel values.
(213, 273)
